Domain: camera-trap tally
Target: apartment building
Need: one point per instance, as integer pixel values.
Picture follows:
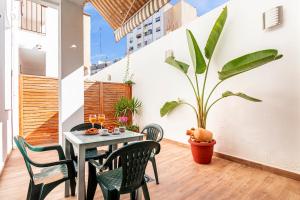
(168, 18)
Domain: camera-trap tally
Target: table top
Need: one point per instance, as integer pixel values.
(79, 138)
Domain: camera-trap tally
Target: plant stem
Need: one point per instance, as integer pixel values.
(203, 89)
(211, 94)
(212, 105)
(193, 107)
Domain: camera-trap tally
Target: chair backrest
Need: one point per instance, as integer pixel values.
(153, 132)
(81, 127)
(133, 159)
(84, 126)
(21, 144)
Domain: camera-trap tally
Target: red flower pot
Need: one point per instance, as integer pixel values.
(202, 151)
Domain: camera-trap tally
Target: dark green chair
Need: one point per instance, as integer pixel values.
(131, 160)
(51, 174)
(155, 133)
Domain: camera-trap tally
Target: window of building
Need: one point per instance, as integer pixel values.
(33, 16)
(157, 29)
(131, 40)
(145, 43)
(138, 36)
(139, 45)
(157, 19)
(130, 48)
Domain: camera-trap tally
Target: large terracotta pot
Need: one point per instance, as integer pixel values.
(202, 151)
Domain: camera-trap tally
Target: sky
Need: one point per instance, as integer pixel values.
(110, 49)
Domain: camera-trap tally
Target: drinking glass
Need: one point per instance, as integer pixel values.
(93, 119)
(101, 119)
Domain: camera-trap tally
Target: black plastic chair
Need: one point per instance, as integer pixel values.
(131, 160)
(51, 174)
(155, 133)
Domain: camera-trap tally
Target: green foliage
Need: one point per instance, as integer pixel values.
(127, 76)
(169, 107)
(234, 67)
(215, 34)
(248, 62)
(125, 106)
(239, 94)
(133, 127)
(179, 65)
(196, 55)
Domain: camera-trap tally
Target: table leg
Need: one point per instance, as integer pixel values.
(114, 147)
(139, 193)
(81, 173)
(67, 146)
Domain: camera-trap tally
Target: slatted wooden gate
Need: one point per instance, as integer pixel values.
(38, 105)
(38, 109)
(100, 97)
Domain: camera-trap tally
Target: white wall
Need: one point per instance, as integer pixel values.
(71, 72)
(267, 132)
(49, 43)
(5, 80)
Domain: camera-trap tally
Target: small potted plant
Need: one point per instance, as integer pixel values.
(201, 139)
(122, 123)
(126, 108)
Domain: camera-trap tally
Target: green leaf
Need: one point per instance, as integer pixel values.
(215, 34)
(195, 52)
(169, 107)
(178, 64)
(248, 62)
(239, 94)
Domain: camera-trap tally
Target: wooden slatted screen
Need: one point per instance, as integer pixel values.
(38, 109)
(100, 97)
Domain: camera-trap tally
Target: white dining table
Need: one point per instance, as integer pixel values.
(81, 142)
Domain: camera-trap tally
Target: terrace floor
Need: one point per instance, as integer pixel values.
(180, 179)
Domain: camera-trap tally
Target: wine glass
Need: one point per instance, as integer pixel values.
(101, 119)
(93, 119)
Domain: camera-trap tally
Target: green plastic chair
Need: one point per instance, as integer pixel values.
(51, 174)
(131, 160)
(155, 133)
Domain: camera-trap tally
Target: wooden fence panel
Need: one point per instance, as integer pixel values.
(100, 97)
(38, 107)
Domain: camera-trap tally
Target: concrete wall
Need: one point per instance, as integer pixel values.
(5, 80)
(44, 61)
(267, 132)
(71, 71)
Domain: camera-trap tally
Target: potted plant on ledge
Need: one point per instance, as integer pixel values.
(201, 139)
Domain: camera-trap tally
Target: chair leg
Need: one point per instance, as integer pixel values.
(29, 190)
(155, 169)
(133, 195)
(113, 195)
(72, 186)
(145, 192)
(35, 192)
(92, 182)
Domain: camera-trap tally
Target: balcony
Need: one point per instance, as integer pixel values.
(210, 111)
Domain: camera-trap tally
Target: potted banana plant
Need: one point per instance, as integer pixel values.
(201, 139)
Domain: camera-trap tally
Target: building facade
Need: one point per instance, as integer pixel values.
(167, 19)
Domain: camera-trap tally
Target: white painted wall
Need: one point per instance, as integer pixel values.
(267, 132)
(49, 52)
(71, 71)
(5, 80)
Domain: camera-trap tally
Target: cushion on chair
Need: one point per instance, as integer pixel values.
(111, 179)
(51, 174)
